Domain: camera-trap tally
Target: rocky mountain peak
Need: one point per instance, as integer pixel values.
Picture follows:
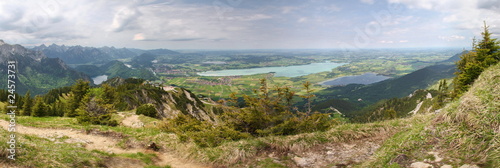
(8, 51)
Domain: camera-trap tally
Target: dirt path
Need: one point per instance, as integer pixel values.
(133, 121)
(98, 142)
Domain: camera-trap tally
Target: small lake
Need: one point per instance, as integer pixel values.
(286, 71)
(99, 79)
(366, 78)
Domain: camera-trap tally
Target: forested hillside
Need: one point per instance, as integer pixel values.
(117, 69)
(36, 72)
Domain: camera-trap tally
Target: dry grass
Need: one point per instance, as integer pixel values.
(473, 122)
(247, 152)
(465, 132)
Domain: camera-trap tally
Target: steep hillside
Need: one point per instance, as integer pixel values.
(36, 72)
(417, 102)
(168, 104)
(392, 88)
(466, 131)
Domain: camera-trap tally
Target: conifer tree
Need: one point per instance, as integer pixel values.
(40, 108)
(308, 96)
(109, 94)
(472, 64)
(78, 92)
(27, 105)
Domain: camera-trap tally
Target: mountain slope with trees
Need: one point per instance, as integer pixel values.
(117, 69)
(35, 71)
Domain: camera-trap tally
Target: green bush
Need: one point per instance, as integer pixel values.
(147, 110)
(201, 133)
(94, 113)
(212, 137)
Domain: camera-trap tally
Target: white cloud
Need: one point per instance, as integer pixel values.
(253, 17)
(139, 37)
(124, 18)
(451, 38)
(403, 41)
(461, 14)
(386, 42)
(368, 1)
(302, 20)
(35, 22)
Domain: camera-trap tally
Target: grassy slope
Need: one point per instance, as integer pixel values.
(34, 151)
(465, 132)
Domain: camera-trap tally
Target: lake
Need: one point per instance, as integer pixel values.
(99, 79)
(286, 71)
(366, 78)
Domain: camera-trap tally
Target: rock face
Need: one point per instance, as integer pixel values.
(34, 71)
(18, 52)
(168, 104)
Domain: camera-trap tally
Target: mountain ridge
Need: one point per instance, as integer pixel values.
(37, 72)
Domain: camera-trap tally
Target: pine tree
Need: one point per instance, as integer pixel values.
(27, 105)
(308, 96)
(40, 108)
(472, 64)
(92, 112)
(78, 92)
(109, 93)
(442, 95)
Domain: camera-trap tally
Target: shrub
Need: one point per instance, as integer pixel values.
(201, 133)
(95, 113)
(147, 110)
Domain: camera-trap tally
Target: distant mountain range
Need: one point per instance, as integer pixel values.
(35, 71)
(92, 55)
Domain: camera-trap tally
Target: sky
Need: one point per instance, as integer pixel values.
(248, 24)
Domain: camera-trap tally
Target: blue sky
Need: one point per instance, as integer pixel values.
(248, 24)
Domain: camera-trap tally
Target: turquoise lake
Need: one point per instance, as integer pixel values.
(286, 71)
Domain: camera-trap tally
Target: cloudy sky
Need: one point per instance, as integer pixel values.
(248, 24)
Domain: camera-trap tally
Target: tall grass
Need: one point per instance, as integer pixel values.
(465, 132)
